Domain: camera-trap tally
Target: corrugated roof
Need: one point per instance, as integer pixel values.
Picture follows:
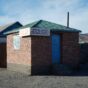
(42, 24)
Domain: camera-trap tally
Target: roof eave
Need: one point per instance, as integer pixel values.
(62, 30)
(7, 33)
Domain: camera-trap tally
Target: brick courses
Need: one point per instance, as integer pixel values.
(70, 48)
(36, 52)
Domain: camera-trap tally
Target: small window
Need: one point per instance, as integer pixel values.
(16, 42)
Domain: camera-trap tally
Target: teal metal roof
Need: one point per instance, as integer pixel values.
(42, 24)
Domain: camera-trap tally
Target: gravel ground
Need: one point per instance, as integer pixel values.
(9, 79)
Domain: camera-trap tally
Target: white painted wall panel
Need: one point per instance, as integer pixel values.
(34, 31)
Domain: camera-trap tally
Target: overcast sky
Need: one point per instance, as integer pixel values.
(26, 11)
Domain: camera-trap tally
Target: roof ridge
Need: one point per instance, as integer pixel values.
(53, 23)
(49, 26)
(37, 23)
(8, 24)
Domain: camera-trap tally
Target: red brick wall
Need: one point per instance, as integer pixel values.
(41, 50)
(37, 51)
(70, 48)
(34, 51)
(21, 56)
(41, 54)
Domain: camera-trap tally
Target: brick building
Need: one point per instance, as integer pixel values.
(36, 47)
(3, 29)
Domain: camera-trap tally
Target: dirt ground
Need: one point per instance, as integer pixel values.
(9, 79)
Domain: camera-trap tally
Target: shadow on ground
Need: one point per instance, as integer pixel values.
(63, 70)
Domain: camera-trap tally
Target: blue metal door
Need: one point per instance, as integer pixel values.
(55, 48)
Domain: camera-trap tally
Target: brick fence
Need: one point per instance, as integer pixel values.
(84, 53)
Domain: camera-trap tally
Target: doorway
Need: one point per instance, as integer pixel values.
(56, 49)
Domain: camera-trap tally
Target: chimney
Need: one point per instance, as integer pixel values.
(67, 19)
